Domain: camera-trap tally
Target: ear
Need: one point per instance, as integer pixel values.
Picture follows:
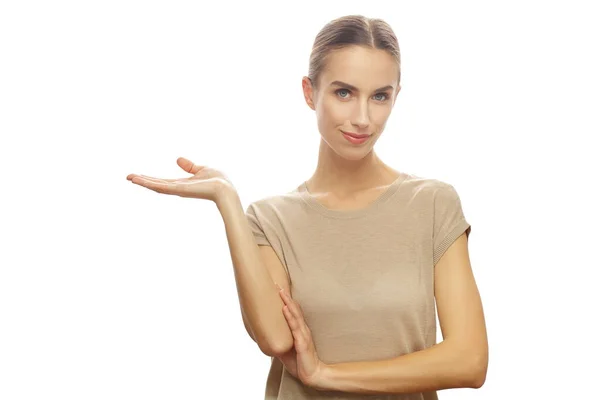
(308, 90)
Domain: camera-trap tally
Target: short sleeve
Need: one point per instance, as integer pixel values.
(266, 230)
(449, 221)
(256, 227)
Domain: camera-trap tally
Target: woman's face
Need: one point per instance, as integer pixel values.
(356, 92)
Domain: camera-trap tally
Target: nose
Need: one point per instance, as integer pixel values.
(361, 114)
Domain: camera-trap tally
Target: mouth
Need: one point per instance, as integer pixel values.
(356, 135)
(355, 140)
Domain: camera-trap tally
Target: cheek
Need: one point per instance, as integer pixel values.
(335, 112)
(379, 118)
(381, 113)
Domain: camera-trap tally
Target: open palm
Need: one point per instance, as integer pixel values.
(206, 183)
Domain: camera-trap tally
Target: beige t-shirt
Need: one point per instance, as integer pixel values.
(364, 278)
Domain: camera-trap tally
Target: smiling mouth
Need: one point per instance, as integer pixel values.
(356, 135)
(355, 140)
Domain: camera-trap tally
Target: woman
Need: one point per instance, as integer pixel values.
(338, 279)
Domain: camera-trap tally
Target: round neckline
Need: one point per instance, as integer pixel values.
(359, 212)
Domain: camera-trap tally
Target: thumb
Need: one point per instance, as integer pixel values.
(188, 166)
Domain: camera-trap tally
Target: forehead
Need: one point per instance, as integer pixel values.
(362, 67)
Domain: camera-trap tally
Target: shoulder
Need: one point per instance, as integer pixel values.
(428, 186)
(276, 204)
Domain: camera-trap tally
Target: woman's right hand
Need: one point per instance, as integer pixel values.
(206, 183)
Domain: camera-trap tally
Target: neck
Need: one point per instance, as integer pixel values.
(335, 174)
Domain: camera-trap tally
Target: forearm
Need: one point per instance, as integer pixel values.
(435, 368)
(258, 295)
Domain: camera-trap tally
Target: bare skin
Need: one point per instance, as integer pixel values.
(205, 183)
(255, 270)
(345, 169)
(348, 176)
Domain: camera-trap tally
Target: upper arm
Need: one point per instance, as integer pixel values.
(259, 225)
(274, 266)
(278, 275)
(459, 305)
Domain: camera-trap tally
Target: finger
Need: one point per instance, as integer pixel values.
(188, 166)
(159, 179)
(289, 302)
(131, 176)
(300, 331)
(294, 306)
(155, 179)
(296, 326)
(148, 178)
(160, 187)
(295, 312)
(292, 322)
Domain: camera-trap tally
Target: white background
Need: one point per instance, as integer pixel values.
(111, 291)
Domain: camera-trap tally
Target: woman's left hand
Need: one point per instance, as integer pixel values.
(302, 361)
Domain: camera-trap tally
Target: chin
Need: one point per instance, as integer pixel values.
(345, 150)
(353, 154)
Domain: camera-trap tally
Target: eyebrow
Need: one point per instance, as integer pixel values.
(349, 86)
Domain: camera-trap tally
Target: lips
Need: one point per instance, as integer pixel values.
(356, 135)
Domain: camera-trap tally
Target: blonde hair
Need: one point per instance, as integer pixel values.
(351, 30)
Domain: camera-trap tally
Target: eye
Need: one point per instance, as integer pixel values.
(385, 96)
(342, 90)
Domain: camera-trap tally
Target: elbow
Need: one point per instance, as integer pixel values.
(477, 371)
(473, 362)
(275, 340)
(276, 348)
(266, 350)
(477, 381)
(282, 347)
(283, 341)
